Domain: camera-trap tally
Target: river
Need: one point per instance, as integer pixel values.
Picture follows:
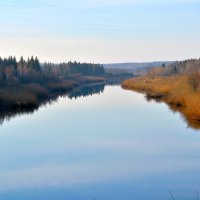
(99, 142)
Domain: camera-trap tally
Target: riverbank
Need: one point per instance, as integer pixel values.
(175, 90)
(16, 97)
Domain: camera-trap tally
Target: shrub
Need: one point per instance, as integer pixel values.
(194, 80)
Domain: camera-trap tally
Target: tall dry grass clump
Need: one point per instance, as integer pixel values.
(194, 80)
(20, 99)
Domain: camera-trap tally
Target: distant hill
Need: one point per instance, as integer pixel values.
(136, 68)
(136, 65)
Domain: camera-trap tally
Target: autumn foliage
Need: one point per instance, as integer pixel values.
(181, 91)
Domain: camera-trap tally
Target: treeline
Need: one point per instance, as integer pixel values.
(31, 70)
(182, 67)
(11, 70)
(70, 68)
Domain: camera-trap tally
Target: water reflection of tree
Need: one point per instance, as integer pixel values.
(86, 90)
(117, 80)
(7, 113)
(191, 123)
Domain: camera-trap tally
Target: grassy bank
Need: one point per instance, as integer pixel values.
(177, 91)
(15, 96)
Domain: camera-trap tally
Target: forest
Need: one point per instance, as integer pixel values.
(31, 70)
(24, 84)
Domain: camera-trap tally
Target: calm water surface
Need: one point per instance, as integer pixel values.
(109, 146)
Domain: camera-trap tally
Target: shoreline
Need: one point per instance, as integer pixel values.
(16, 99)
(175, 91)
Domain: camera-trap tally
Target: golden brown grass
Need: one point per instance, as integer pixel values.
(176, 91)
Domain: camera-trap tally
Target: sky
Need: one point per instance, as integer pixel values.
(103, 31)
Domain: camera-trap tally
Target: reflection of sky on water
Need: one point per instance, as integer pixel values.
(113, 145)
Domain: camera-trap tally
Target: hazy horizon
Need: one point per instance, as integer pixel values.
(100, 31)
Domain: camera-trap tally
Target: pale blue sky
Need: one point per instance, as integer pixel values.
(99, 30)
